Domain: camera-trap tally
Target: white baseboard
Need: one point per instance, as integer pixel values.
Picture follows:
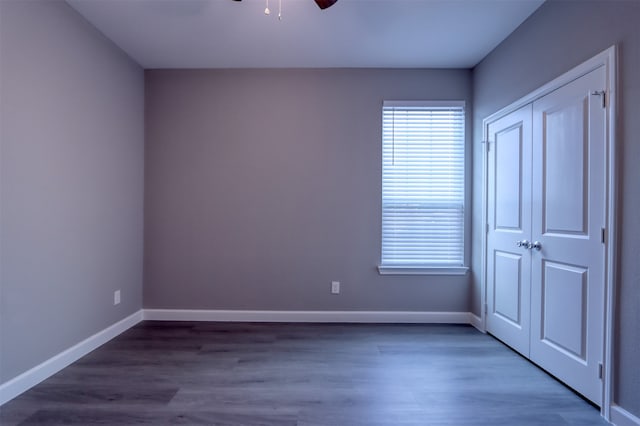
(476, 321)
(621, 417)
(37, 374)
(308, 316)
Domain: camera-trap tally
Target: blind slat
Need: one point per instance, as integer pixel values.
(423, 185)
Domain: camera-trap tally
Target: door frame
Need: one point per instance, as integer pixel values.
(607, 59)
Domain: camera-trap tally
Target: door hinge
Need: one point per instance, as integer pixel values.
(600, 371)
(603, 235)
(486, 309)
(486, 228)
(487, 145)
(603, 96)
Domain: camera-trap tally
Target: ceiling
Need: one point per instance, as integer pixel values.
(352, 33)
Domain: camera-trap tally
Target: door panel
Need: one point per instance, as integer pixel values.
(564, 329)
(565, 206)
(567, 274)
(508, 179)
(509, 217)
(507, 297)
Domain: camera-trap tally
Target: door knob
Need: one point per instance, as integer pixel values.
(523, 243)
(536, 245)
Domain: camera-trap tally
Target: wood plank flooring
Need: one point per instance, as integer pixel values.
(233, 374)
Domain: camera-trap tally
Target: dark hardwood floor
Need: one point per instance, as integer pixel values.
(300, 375)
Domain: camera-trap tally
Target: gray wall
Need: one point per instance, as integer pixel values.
(71, 189)
(559, 36)
(262, 186)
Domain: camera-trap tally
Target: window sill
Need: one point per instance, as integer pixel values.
(422, 270)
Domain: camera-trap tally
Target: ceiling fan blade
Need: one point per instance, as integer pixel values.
(323, 4)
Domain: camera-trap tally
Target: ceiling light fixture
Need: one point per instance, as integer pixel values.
(322, 4)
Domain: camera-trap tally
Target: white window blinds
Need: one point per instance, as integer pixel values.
(423, 184)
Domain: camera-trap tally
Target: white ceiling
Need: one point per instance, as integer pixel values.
(352, 33)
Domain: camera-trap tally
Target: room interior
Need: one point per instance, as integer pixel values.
(218, 171)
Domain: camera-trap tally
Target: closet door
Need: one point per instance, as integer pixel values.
(509, 226)
(567, 275)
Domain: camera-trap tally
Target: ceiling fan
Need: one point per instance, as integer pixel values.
(322, 4)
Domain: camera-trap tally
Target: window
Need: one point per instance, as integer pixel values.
(423, 188)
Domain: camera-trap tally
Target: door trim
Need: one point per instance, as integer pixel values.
(607, 59)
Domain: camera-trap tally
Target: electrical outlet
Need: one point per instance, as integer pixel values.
(116, 297)
(335, 287)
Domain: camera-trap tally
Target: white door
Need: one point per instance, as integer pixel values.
(509, 225)
(567, 275)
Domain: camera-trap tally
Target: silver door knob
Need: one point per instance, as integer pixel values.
(536, 245)
(523, 243)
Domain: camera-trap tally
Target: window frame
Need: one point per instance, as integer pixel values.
(428, 269)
